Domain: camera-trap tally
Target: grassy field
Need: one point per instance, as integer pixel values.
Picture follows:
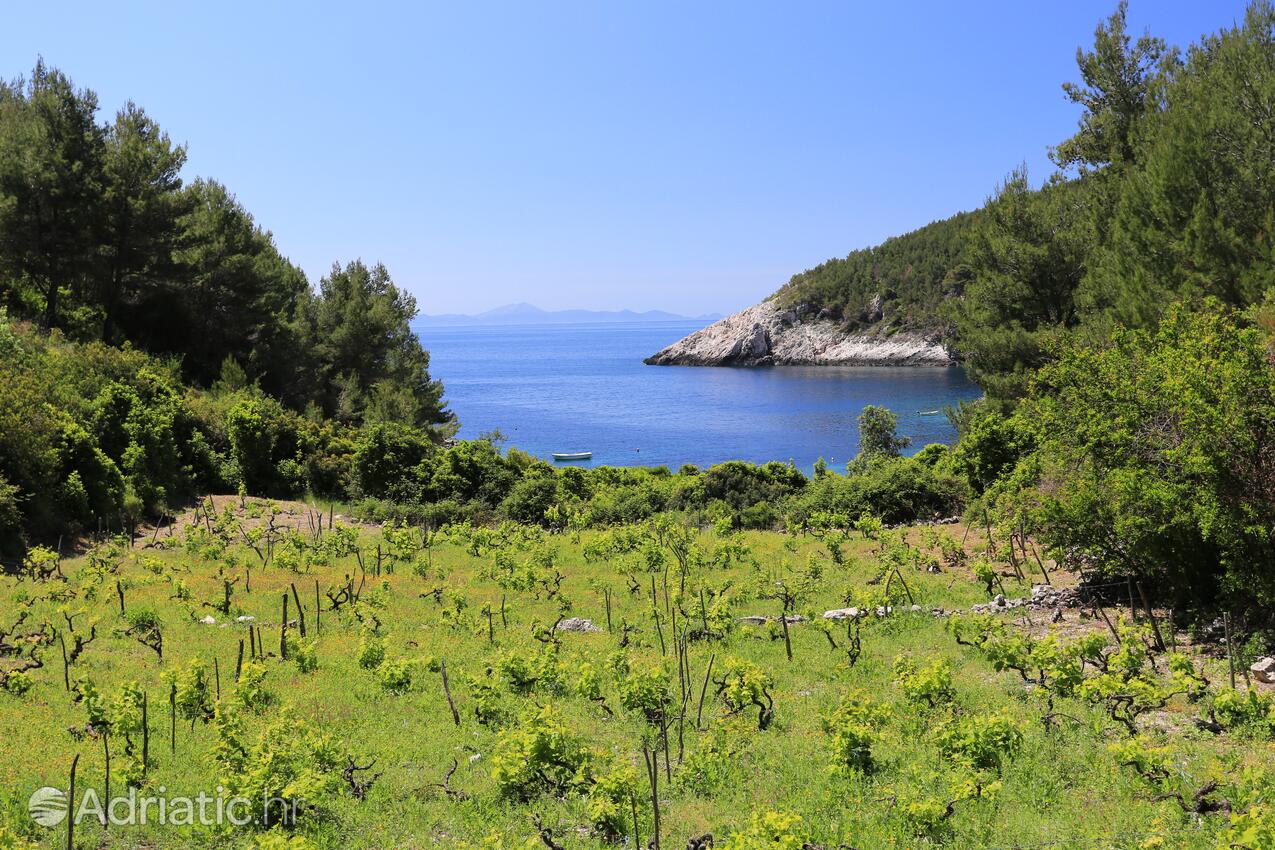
(913, 740)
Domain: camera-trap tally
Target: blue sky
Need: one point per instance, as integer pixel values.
(671, 155)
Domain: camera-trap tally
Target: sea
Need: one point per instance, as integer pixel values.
(583, 387)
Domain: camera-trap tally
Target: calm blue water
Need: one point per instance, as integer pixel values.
(585, 388)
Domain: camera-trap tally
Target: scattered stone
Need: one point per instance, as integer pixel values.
(208, 620)
(1044, 596)
(760, 620)
(1264, 670)
(916, 609)
(246, 618)
(577, 624)
(885, 610)
(842, 614)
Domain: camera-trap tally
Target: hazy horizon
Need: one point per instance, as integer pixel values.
(592, 157)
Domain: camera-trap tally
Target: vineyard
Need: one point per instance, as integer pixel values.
(845, 684)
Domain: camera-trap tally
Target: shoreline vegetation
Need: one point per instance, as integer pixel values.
(1056, 626)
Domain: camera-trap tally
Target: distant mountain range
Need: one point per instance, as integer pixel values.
(530, 314)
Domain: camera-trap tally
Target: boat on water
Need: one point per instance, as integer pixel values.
(572, 455)
(929, 413)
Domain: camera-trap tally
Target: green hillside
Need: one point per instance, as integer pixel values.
(912, 274)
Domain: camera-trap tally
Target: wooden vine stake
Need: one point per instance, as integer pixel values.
(1155, 625)
(146, 728)
(300, 609)
(70, 814)
(106, 750)
(699, 711)
(447, 691)
(668, 769)
(66, 665)
(652, 758)
(783, 619)
(172, 713)
(283, 630)
(637, 835)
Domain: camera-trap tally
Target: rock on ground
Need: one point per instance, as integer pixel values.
(1264, 670)
(577, 624)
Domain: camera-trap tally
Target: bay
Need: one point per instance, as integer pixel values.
(584, 388)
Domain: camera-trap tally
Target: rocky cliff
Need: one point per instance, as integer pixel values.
(766, 335)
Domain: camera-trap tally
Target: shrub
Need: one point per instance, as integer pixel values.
(877, 433)
(488, 701)
(990, 446)
(648, 691)
(743, 684)
(896, 490)
(291, 764)
(194, 691)
(768, 830)
(930, 685)
(391, 460)
(739, 485)
(262, 435)
(926, 816)
(250, 691)
(18, 682)
(279, 841)
(530, 498)
(395, 675)
(1238, 709)
(371, 651)
(537, 755)
(981, 741)
(710, 764)
(1184, 508)
(852, 732)
(608, 799)
(1147, 760)
(305, 654)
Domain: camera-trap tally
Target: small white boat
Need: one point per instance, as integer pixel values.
(572, 455)
(929, 413)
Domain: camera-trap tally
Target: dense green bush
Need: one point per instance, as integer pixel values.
(895, 489)
(85, 428)
(531, 497)
(1153, 456)
(265, 446)
(389, 461)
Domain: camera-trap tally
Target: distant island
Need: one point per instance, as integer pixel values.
(529, 314)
